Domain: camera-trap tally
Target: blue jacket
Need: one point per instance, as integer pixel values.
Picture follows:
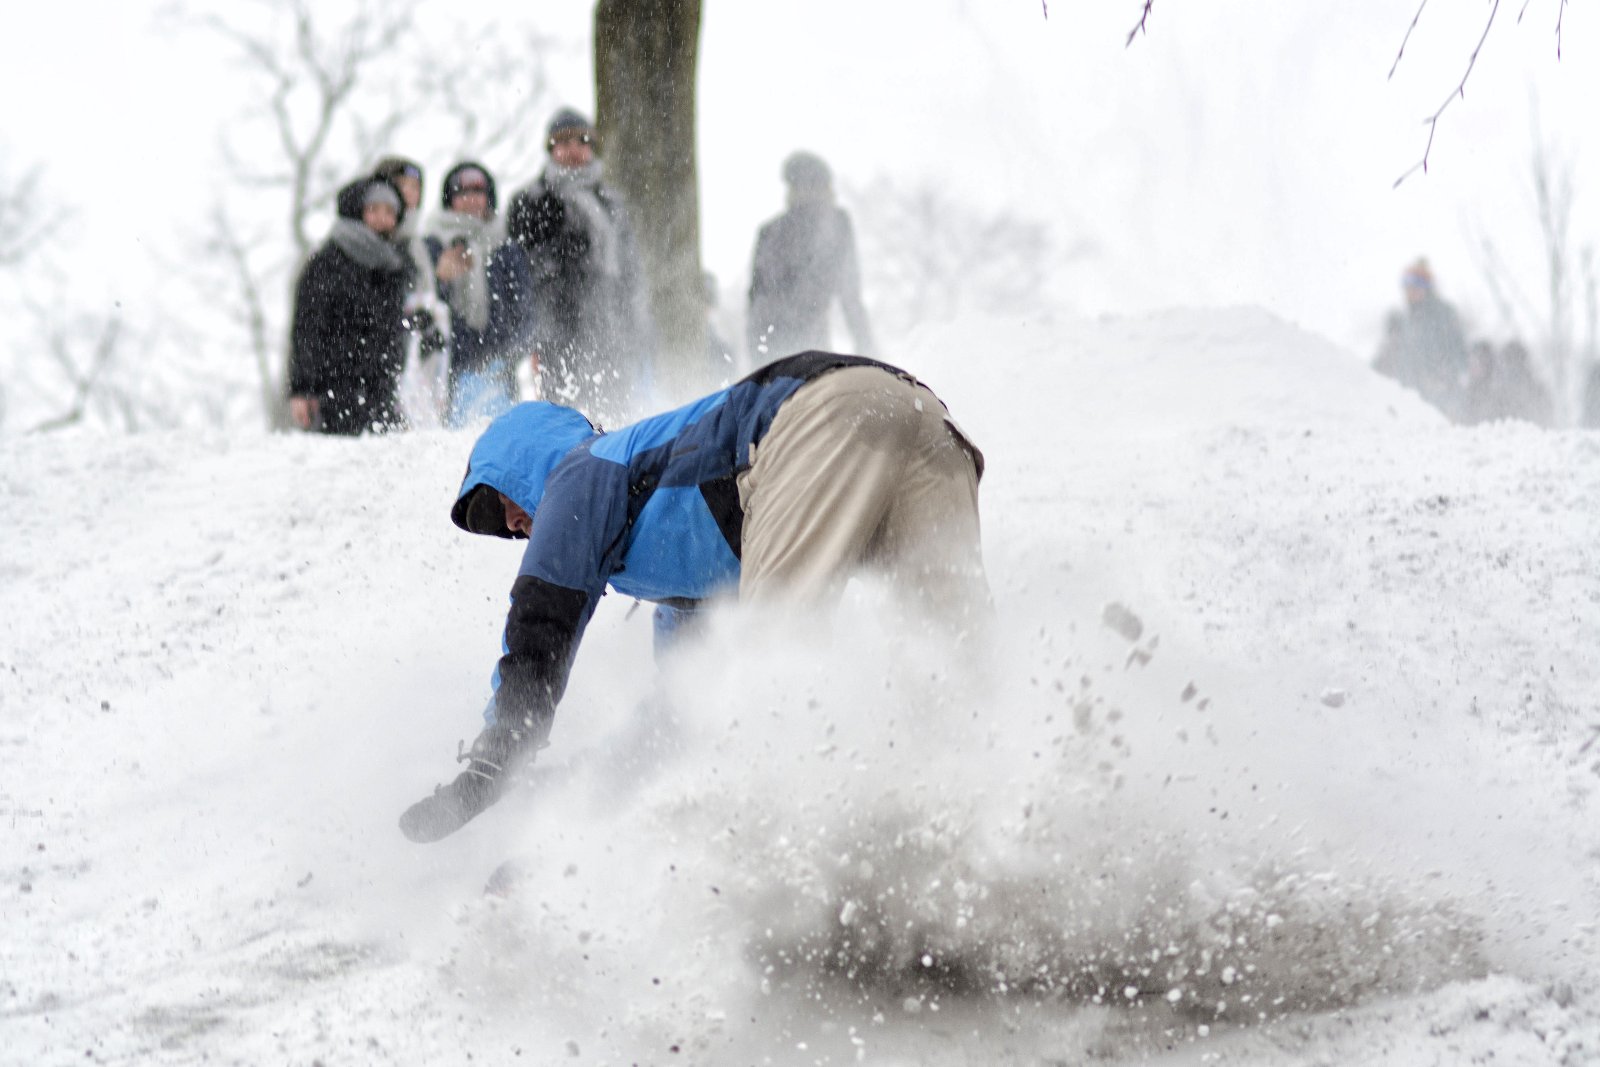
(651, 510)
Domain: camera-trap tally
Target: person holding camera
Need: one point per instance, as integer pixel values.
(484, 280)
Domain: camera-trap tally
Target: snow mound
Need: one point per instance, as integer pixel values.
(922, 831)
(1288, 712)
(1156, 375)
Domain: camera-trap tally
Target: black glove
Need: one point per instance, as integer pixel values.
(433, 339)
(497, 752)
(426, 327)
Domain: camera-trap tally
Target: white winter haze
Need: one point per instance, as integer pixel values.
(1284, 747)
(1236, 153)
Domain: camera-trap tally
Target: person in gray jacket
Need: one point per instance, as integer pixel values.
(592, 330)
(1425, 346)
(805, 259)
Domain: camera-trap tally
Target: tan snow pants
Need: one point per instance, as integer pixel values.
(862, 468)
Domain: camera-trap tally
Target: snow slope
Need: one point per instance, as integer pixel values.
(1285, 751)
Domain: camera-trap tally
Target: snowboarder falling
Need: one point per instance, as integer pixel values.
(777, 488)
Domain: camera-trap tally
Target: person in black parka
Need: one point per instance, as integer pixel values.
(592, 328)
(349, 327)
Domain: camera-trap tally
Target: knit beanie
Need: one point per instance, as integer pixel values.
(463, 175)
(352, 198)
(1418, 276)
(567, 120)
(379, 191)
(392, 167)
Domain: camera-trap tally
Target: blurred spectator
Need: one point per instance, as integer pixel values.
(406, 176)
(1479, 403)
(804, 260)
(483, 278)
(1590, 419)
(592, 328)
(348, 334)
(422, 385)
(1501, 385)
(1424, 346)
(1519, 393)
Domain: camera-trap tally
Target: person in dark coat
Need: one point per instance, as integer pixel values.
(592, 327)
(1425, 346)
(406, 175)
(349, 320)
(1501, 384)
(805, 259)
(483, 278)
(1589, 418)
(776, 489)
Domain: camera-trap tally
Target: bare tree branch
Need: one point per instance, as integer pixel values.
(1140, 27)
(1460, 90)
(513, 68)
(233, 251)
(83, 382)
(26, 221)
(928, 257)
(333, 90)
(1517, 310)
(1553, 308)
(1406, 39)
(327, 66)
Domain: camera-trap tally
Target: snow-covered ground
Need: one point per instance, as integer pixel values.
(1286, 751)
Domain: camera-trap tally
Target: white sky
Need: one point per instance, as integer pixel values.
(1239, 153)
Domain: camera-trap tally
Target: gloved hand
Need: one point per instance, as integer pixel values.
(422, 322)
(433, 339)
(497, 752)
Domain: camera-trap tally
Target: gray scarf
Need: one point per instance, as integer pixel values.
(578, 188)
(468, 295)
(365, 245)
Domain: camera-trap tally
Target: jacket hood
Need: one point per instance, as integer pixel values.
(452, 182)
(514, 456)
(352, 197)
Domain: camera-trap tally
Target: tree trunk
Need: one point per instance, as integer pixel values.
(645, 55)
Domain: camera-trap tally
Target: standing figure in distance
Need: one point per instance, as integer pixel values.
(348, 338)
(406, 176)
(592, 327)
(805, 259)
(1424, 345)
(422, 381)
(484, 280)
